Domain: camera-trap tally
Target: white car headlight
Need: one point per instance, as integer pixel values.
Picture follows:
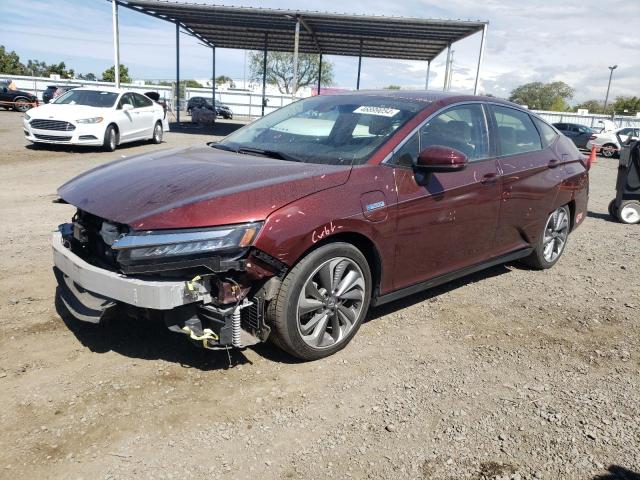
(90, 120)
(161, 244)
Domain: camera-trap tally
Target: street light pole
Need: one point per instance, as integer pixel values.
(606, 99)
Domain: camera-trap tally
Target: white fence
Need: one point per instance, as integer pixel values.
(588, 120)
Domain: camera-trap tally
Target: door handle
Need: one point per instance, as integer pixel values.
(489, 179)
(553, 163)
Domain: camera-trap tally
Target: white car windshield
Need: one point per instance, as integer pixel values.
(337, 130)
(90, 98)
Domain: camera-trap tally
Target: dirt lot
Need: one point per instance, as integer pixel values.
(508, 374)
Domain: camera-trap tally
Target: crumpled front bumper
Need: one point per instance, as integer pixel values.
(88, 291)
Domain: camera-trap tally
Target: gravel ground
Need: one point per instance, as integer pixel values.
(507, 374)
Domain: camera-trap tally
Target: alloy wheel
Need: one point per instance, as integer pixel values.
(555, 234)
(330, 302)
(157, 133)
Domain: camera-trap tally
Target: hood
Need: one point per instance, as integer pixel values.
(66, 112)
(196, 187)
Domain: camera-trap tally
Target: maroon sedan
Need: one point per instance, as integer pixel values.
(291, 227)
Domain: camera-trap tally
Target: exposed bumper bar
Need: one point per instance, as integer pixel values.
(154, 294)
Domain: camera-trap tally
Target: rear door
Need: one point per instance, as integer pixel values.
(450, 223)
(145, 111)
(531, 173)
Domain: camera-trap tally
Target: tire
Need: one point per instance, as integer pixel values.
(612, 209)
(629, 212)
(552, 240)
(608, 150)
(157, 133)
(21, 104)
(309, 322)
(110, 139)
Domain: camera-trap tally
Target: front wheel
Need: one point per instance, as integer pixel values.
(22, 104)
(110, 139)
(322, 302)
(552, 240)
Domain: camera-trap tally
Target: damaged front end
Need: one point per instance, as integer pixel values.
(208, 284)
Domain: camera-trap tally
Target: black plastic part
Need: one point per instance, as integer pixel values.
(253, 321)
(280, 267)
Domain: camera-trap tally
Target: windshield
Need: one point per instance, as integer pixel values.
(336, 130)
(90, 98)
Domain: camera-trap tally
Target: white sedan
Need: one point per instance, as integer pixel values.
(96, 116)
(608, 141)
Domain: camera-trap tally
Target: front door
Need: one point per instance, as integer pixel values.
(449, 223)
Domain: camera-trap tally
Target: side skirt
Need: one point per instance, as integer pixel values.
(448, 277)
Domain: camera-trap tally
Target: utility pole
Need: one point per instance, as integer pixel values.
(606, 99)
(116, 42)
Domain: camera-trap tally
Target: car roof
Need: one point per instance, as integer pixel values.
(105, 89)
(431, 96)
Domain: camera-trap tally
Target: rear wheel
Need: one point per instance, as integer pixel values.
(110, 139)
(552, 240)
(608, 150)
(629, 212)
(612, 209)
(322, 302)
(157, 133)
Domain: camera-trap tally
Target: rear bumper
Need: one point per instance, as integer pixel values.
(80, 277)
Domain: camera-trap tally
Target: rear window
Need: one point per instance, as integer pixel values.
(516, 131)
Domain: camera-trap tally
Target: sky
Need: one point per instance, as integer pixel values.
(538, 40)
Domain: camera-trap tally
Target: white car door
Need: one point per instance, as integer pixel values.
(128, 121)
(145, 111)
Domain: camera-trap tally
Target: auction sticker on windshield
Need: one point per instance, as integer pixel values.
(380, 111)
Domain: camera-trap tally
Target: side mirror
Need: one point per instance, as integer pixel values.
(126, 107)
(438, 158)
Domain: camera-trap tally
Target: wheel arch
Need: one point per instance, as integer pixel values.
(364, 244)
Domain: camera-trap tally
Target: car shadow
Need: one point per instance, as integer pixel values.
(615, 472)
(221, 128)
(601, 216)
(52, 147)
(146, 339)
(432, 293)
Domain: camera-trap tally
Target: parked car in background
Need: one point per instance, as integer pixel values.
(579, 134)
(608, 143)
(202, 102)
(16, 99)
(54, 91)
(95, 116)
(292, 226)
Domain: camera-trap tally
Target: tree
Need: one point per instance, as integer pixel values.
(38, 68)
(280, 70)
(627, 105)
(392, 87)
(87, 76)
(193, 84)
(594, 106)
(222, 79)
(109, 75)
(542, 96)
(10, 62)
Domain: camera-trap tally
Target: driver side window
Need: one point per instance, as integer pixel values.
(127, 98)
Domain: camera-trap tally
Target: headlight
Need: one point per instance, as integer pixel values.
(27, 117)
(160, 244)
(90, 120)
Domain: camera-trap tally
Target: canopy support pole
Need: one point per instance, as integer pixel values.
(319, 73)
(359, 66)
(480, 56)
(426, 82)
(178, 72)
(116, 42)
(296, 42)
(264, 73)
(213, 76)
(446, 69)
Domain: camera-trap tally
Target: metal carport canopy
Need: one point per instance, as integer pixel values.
(326, 33)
